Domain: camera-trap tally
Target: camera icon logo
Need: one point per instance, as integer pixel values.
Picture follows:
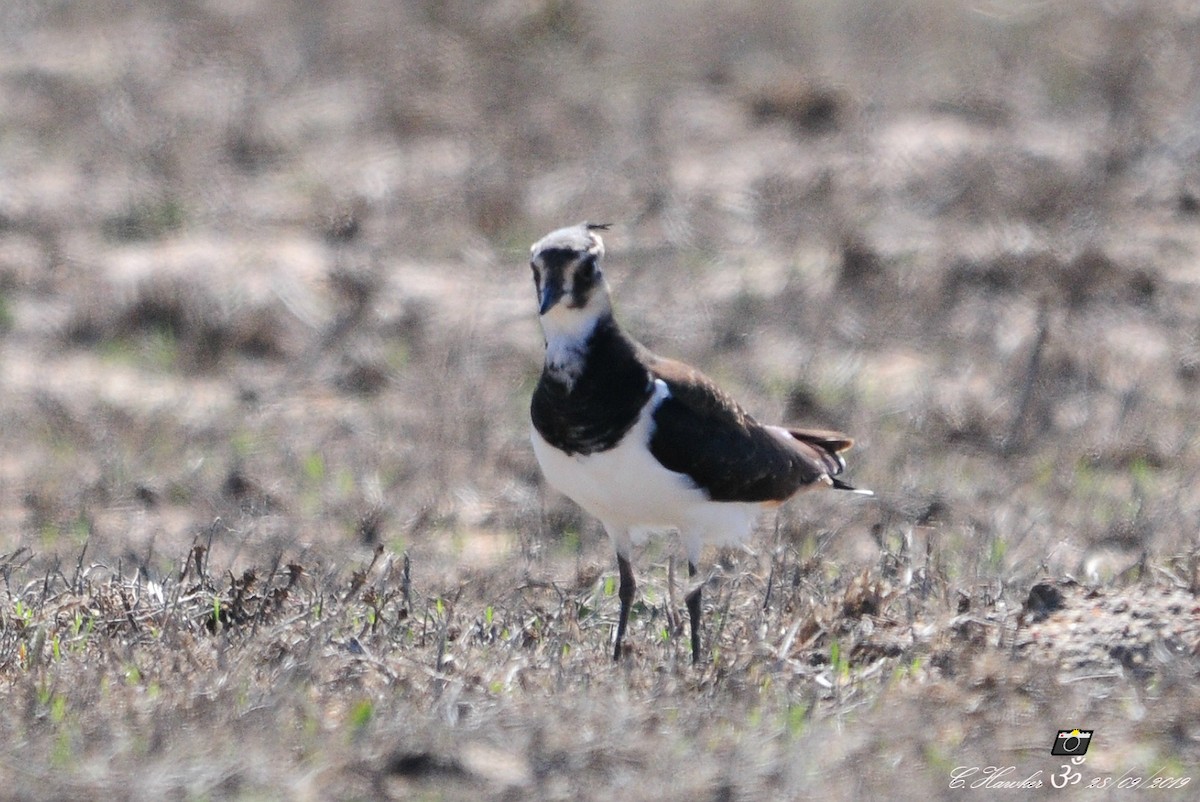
(1072, 743)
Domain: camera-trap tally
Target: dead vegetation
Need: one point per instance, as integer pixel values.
(270, 526)
(322, 681)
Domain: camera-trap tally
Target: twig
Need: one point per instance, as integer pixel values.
(786, 644)
(1015, 439)
(406, 582)
(77, 582)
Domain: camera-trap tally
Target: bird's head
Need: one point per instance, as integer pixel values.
(566, 274)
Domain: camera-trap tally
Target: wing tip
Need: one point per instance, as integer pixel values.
(838, 484)
(827, 439)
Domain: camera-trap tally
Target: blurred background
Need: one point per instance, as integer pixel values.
(263, 264)
(264, 289)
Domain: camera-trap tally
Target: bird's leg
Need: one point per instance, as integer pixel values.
(674, 622)
(693, 605)
(625, 593)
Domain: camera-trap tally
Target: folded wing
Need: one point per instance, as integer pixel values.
(703, 433)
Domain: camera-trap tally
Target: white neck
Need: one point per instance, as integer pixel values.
(567, 331)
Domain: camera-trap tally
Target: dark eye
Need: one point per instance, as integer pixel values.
(587, 268)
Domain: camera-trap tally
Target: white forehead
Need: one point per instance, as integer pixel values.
(575, 238)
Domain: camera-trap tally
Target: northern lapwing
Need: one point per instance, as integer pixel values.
(645, 443)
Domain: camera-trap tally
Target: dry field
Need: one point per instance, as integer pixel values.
(270, 525)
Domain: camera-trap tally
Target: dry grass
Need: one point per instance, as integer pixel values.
(292, 681)
(270, 526)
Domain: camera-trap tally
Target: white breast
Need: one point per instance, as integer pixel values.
(632, 493)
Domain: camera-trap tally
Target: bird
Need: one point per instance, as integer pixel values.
(645, 443)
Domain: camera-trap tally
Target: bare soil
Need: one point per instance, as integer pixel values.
(270, 525)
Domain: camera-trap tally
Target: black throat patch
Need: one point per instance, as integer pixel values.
(593, 412)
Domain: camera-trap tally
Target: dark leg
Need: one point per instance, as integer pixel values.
(693, 605)
(625, 593)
